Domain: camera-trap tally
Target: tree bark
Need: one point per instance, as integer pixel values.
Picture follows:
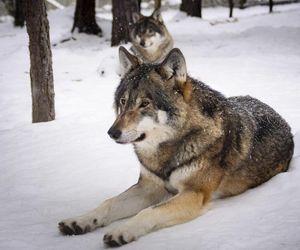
(122, 18)
(85, 19)
(41, 75)
(231, 5)
(192, 7)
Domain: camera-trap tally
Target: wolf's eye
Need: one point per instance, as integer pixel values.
(144, 104)
(123, 101)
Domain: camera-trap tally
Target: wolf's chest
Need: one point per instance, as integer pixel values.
(156, 179)
(177, 179)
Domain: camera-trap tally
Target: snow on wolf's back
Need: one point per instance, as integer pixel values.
(273, 145)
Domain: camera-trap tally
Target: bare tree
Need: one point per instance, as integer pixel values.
(242, 4)
(231, 5)
(19, 15)
(139, 4)
(41, 75)
(122, 18)
(84, 18)
(157, 4)
(192, 7)
(271, 6)
(15, 9)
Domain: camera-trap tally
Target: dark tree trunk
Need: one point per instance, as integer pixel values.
(19, 14)
(85, 19)
(157, 4)
(122, 18)
(15, 9)
(200, 8)
(183, 5)
(192, 7)
(242, 4)
(270, 6)
(231, 5)
(41, 75)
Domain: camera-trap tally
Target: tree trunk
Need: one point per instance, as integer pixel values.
(270, 6)
(183, 5)
(15, 9)
(122, 18)
(242, 4)
(231, 5)
(192, 7)
(41, 75)
(85, 19)
(19, 14)
(157, 4)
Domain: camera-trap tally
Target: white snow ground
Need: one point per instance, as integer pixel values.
(51, 171)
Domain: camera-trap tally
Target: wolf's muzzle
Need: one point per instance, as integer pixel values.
(114, 133)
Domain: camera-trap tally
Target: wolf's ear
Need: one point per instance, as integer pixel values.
(174, 66)
(157, 16)
(127, 61)
(136, 16)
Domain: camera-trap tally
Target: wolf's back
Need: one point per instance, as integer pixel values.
(272, 141)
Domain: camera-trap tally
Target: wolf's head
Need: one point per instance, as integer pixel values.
(148, 32)
(152, 99)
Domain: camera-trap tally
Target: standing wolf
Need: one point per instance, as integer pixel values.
(192, 143)
(151, 41)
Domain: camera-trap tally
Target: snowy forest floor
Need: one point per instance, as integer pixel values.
(52, 171)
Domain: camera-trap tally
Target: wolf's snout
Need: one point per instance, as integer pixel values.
(114, 133)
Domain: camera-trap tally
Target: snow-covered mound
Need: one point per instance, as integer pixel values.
(55, 170)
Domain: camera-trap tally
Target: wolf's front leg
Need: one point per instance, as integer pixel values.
(144, 194)
(181, 208)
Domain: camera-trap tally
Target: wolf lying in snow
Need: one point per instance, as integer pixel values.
(191, 142)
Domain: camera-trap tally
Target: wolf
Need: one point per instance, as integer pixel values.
(151, 40)
(192, 143)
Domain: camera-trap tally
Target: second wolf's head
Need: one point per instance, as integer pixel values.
(151, 101)
(150, 37)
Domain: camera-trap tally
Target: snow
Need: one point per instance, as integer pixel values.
(52, 171)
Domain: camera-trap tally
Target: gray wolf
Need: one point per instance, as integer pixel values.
(151, 41)
(192, 143)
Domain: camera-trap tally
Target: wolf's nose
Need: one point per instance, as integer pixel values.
(142, 43)
(114, 133)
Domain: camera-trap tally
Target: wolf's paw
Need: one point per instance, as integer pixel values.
(77, 226)
(73, 228)
(118, 238)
